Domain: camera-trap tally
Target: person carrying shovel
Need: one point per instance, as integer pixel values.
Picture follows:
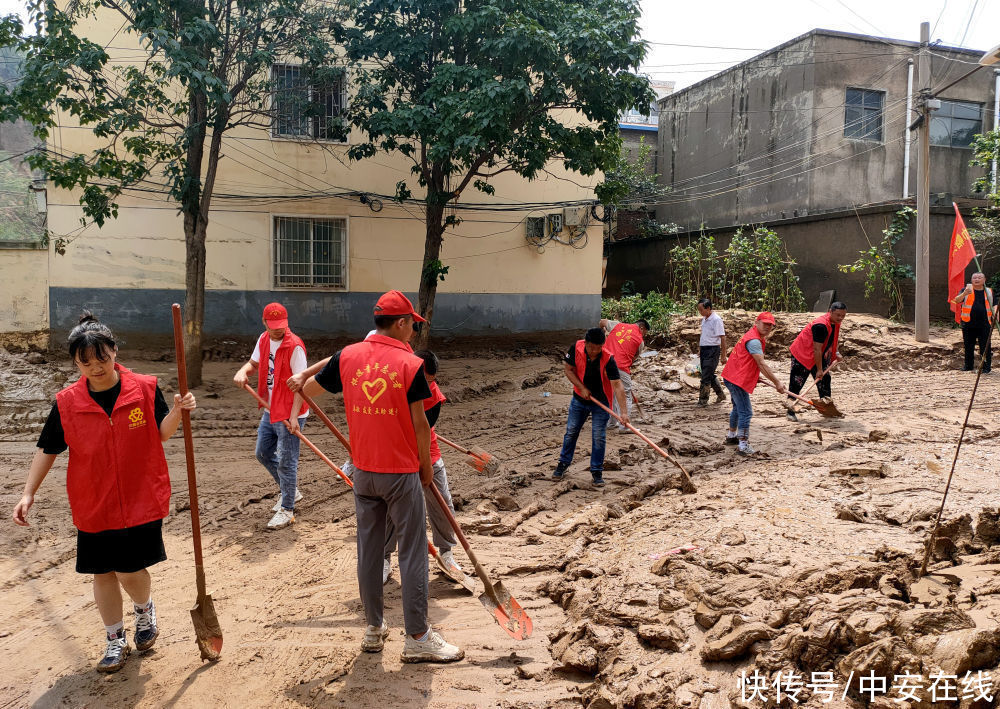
(594, 374)
(743, 368)
(624, 342)
(814, 351)
(114, 422)
(384, 389)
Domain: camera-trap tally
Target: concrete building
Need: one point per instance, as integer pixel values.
(326, 254)
(815, 129)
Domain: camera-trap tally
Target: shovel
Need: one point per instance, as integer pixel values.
(505, 610)
(687, 487)
(829, 410)
(638, 407)
(476, 457)
(455, 574)
(816, 380)
(206, 623)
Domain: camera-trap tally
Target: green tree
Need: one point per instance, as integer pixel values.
(470, 89)
(628, 184)
(207, 71)
(984, 228)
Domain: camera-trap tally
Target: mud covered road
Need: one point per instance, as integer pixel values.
(800, 559)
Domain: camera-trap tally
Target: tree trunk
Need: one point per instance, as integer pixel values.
(194, 294)
(428, 274)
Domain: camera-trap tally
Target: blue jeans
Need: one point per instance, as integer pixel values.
(578, 413)
(278, 451)
(739, 417)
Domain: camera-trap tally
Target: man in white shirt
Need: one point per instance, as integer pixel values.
(277, 448)
(711, 350)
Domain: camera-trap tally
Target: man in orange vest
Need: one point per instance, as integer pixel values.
(624, 342)
(978, 311)
(384, 389)
(814, 350)
(594, 374)
(743, 368)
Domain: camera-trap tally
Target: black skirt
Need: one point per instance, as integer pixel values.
(124, 550)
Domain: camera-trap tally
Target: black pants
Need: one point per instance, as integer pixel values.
(797, 379)
(971, 334)
(709, 362)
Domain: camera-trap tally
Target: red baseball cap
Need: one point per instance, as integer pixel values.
(766, 317)
(395, 303)
(275, 316)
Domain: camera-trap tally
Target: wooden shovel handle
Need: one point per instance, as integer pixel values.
(455, 445)
(788, 393)
(815, 380)
(182, 386)
(326, 419)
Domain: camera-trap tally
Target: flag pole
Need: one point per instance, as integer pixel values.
(961, 436)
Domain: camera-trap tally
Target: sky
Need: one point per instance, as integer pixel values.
(735, 31)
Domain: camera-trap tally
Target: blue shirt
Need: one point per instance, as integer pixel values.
(753, 347)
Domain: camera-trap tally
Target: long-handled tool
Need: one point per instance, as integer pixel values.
(206, 623)
(475, 457)
(827, 409)
(816, 380)
(638, 407)
(687, 487)
(456, 575)
(497, 599)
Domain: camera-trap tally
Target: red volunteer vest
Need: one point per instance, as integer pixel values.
(376, 374)
(281, 395)
(970, 299)
(624, 344)
(437, 397)
(117, 475)
(802, 346)
(580, 360)
(741, 368)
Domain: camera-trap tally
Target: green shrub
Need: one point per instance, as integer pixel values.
(655, 308)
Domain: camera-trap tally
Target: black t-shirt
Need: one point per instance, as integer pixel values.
(53, 439)
(329, 379)
(592, 374)
(820, 332)
(433, 413)
(977, 316)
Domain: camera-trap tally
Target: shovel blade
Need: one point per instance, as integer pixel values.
(456, 575)
(508, 614)
(475, 463)
(489, 461)
(207, 631)
(827, 408)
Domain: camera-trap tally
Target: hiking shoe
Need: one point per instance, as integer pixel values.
(114, 655)
(560, 471)
(146, 631)
(449, 560)
(433, 649)
(745, 451)
(282, 518)
(277, 505)
(732, 441)
(598, 479)
(374, 639)
(386, 570)
(790, 415)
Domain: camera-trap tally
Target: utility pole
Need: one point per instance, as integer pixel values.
(921, 306)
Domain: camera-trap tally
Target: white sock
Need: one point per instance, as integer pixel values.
(426, 636)
(116, 631)
(145, 607)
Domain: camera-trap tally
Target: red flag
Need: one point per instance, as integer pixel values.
(961, 252)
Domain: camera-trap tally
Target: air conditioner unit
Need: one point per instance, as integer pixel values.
(534, 228)
(576, 216)
(555, 222)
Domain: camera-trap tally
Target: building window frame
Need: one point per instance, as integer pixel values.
(861, 113)
(283, 281)
(955, 113)
(312, 125)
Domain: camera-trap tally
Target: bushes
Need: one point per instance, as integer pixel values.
(655, 308)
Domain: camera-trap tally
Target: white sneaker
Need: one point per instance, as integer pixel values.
(374, 639)
(433, 649)
(449, 561)
(277, 505)
(282, 518)
(386, 570)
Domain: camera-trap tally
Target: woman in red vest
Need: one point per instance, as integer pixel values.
(814, 350)
(114, 422)
(742, 370)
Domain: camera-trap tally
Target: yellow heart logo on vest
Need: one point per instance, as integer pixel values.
(373, 390)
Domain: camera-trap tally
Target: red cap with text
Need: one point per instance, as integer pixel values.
(395, 303)
(766, 317)
(275, 316)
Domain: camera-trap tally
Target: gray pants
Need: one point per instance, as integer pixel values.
(444, 535)
(379, 497)
(627, 383)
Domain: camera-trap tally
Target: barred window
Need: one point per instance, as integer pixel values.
(863, 114)
(956, 123)
(305, 107)
(310, 253)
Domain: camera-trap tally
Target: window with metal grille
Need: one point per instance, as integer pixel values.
(308, 108)
(863, 114)
(955, 123)
(310, 253)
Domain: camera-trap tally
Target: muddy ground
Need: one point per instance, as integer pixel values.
(800, 559)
